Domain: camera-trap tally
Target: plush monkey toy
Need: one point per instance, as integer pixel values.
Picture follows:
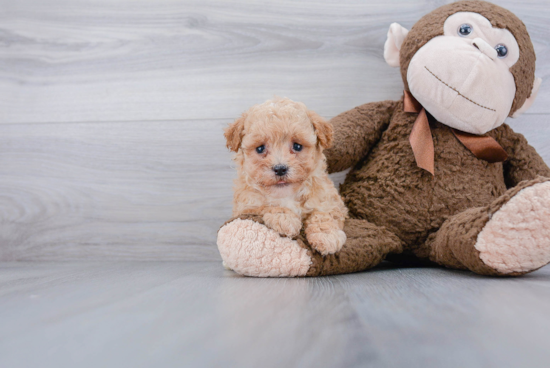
(436, 175)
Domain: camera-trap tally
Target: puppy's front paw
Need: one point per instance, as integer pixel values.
(283, 223)
(327, 242)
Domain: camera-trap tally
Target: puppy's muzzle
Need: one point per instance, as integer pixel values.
(280, 170)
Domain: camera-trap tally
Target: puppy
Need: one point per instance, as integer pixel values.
(282, 172)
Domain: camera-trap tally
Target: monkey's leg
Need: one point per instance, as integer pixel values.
(252, 249)
(509, 237)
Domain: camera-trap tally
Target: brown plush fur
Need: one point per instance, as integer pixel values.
(305, 194)
(386, 188)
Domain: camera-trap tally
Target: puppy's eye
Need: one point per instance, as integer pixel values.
(502, 51)
(465, 30)
(260, 149)
(297, 147)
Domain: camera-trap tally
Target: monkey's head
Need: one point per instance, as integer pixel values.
(470, 64)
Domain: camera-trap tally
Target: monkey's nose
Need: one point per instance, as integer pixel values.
(485, 48)
(280, 170)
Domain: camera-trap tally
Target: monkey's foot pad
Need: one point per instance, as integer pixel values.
(253, 249)
(517, 238)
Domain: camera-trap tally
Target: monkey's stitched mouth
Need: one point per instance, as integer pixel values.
(460, 94)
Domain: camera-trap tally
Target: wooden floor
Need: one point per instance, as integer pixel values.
(196, 314)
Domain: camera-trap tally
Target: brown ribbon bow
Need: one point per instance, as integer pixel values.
(482, 146)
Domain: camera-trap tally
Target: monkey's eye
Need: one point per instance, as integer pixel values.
(260, 149)
(465, 30)
(297, 147)
(502, 51)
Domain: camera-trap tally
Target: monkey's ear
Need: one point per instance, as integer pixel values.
(234, 133)
(527, 104)
(396, 35)
(323, 129)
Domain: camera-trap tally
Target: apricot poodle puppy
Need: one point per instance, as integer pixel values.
(282, 172)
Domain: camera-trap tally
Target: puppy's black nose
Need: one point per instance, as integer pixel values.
(280, 170)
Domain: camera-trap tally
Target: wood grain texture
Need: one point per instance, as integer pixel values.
(150, 190)
(131, 60)
(111, 112)
(196, 314)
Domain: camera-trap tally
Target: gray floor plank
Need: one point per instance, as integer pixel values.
(133, 60)
(196, 314)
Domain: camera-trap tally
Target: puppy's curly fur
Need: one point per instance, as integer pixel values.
(282, 172)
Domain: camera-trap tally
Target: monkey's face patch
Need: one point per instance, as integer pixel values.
(463, 77)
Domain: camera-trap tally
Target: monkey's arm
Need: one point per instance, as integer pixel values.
(524, 163)
(356, 131)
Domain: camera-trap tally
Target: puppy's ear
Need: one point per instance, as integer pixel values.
(323, 129)
(234, 133)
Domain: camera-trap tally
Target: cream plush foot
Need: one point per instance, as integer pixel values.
(517, 237)
(252, 249)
